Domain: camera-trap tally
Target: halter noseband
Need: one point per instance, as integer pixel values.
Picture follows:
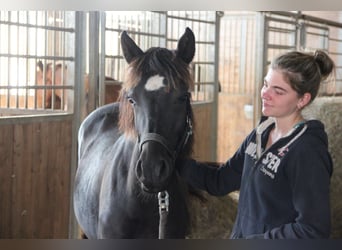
(161, 140)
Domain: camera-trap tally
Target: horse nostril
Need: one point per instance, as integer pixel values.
(138, 169)
(161, 170)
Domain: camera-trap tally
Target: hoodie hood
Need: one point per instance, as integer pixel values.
(316, 129)
(313, 128)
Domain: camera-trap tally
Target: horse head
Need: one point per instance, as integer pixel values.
(49, 79)
(155, 108)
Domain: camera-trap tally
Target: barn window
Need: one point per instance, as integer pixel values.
(36, 50)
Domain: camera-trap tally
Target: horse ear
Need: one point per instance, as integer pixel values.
(40, 66)
(186, 46)
(129, 47)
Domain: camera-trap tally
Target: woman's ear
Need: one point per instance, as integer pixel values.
(304, 100)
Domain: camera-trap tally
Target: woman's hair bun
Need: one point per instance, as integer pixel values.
(324, 62)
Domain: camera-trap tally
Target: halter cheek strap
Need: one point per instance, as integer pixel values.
(186, 135)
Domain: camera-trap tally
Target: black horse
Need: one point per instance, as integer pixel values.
(128, 150)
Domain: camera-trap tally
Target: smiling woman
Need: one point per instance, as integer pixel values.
(284, 156)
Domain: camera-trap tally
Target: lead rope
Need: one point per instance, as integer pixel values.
(163, 201)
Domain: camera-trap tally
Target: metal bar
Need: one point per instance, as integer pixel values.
(115, 57)
(102, 61)
(279, 20)
(317, 34)
(9, 62)
(261, 55)
(18, 39)
(62, 44)
(320, 27)
(191, 19)
(93, 77)
(281, 30)
(335, 53)
(79, 102)
(277, 46)
(46, 27)
(214, 119)
(27, 61)
(37, 116)
(306, 17)
(133, 32)
(37, 57)
(0, 60)
(37, 87)
(204, 63)
(53, 66)
(335, 39)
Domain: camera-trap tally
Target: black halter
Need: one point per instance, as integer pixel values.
(163, 197)
(161, 140)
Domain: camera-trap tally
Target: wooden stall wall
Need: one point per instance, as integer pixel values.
(35, 159)
(204, 132)
(234, 123)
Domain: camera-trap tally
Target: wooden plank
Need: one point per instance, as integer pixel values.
(62, 179)
(42, 180)
(53, 201)
(18, 178)
(26, 172)
(38, 194)
(6, 155)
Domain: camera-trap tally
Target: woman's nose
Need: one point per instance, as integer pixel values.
(265, 93)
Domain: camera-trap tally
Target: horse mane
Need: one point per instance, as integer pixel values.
(153, 61)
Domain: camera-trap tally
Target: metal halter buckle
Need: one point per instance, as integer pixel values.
(163, 201)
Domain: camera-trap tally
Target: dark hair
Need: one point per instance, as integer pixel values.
(304, 71)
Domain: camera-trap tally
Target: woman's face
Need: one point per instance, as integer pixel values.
(278, 98)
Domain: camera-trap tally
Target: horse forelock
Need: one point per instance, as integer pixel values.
(155, 61)
(163, 62)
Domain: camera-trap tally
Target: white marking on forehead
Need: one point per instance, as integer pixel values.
(154, 83)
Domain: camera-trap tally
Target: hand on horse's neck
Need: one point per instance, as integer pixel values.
(282, 128)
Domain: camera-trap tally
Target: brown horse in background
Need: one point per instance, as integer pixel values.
(46, 97)
(55, 95)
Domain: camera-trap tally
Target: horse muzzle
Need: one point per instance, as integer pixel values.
(155, 165)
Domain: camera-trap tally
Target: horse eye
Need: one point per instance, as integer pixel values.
(131, 100)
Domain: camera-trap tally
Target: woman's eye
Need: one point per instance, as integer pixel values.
(279, 92)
